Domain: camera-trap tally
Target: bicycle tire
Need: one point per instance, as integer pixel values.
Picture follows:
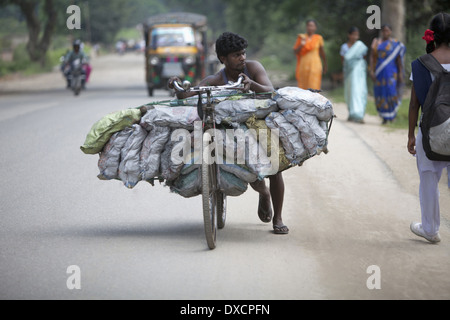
(221, 210)
(77, 86)
(209, 199)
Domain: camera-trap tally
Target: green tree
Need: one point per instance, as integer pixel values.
(104, 21)
(41, 17)
(213, 9)
(141, 10)
(394, 14)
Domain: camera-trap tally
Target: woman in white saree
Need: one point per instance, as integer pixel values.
(355, 75)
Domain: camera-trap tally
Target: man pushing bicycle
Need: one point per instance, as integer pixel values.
(231, 52)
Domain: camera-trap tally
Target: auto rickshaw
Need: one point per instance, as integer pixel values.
(175, 47)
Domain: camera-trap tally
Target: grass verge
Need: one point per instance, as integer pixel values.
(401, 122)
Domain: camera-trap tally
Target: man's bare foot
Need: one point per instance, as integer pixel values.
(265, 212)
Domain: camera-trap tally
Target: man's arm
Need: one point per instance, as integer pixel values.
(68, 57)
(260, 82)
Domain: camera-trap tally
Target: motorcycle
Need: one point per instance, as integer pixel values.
(77, 76)
(75, 73)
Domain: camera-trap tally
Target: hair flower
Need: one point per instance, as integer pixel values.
(429, 36)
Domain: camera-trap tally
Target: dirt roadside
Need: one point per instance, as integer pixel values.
(389, 145)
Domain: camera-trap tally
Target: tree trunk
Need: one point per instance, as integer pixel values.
(37, 46)
(394, 14)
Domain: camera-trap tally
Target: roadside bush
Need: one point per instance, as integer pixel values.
(22, 63)
(276, 54)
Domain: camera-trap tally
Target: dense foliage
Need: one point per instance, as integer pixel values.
(270, 26)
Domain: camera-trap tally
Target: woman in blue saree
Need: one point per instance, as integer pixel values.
(387, 74)
(355, 75)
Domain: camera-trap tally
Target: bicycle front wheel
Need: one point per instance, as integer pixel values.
(209, 194)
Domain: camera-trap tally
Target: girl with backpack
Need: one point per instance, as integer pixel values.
(429, 92)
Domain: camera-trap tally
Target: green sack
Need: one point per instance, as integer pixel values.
(103, 129)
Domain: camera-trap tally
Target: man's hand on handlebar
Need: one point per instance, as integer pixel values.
(247, 82)
(171, 81)
(175, 84)
(184, 90)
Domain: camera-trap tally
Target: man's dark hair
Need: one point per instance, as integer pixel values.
(228, 43)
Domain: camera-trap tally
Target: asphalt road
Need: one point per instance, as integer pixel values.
(347, 211)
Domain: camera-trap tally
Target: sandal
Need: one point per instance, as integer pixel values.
(282, 229)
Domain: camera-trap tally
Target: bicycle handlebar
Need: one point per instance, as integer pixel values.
(186, 86)
(179, 87)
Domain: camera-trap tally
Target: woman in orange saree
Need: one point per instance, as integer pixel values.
(310, 56)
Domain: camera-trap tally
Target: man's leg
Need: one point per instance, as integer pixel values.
(264, 207)
(68, 78)
(277, 193)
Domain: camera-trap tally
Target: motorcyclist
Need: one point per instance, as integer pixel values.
(77, 53)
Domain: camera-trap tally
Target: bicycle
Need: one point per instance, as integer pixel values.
(213, 200)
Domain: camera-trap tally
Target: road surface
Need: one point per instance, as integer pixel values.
(348, 212)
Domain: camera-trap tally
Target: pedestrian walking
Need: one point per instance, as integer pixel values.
(353, 54)
(311, 58)
(438, 39)
(386, 70)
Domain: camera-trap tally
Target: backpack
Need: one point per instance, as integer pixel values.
(435, 123)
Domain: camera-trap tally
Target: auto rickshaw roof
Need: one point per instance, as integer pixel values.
(194, 19)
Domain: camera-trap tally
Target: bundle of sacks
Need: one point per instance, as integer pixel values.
(146, 144)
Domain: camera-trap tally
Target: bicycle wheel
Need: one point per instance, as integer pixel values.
(221, 210)
(209, 195)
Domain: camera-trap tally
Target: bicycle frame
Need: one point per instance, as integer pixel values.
(214, 202)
